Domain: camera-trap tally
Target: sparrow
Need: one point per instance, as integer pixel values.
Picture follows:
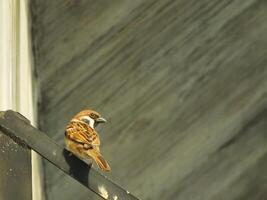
(82, 140)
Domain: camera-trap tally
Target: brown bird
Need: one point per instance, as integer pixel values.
(82, 139)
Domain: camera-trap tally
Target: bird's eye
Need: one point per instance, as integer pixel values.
(93, 115)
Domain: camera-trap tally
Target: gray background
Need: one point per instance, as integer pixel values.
(183, 84)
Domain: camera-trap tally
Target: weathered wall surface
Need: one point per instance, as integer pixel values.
(182, 83)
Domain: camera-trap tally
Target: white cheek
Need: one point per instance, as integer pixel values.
(91, 121)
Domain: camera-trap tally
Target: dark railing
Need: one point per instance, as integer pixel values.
(15, 126)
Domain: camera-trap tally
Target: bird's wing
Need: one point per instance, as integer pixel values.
(83, 133)
(98, 158)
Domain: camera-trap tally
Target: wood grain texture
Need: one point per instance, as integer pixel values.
(183, 84)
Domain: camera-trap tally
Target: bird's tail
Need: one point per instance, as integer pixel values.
(100, 161)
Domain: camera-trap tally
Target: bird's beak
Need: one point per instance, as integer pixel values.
(101, 120)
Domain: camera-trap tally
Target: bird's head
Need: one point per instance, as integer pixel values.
(91, 117)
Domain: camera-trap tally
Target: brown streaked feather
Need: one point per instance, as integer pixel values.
(83, 141)
(100, 161)
(82, 132)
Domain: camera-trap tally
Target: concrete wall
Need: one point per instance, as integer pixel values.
(182, 83)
